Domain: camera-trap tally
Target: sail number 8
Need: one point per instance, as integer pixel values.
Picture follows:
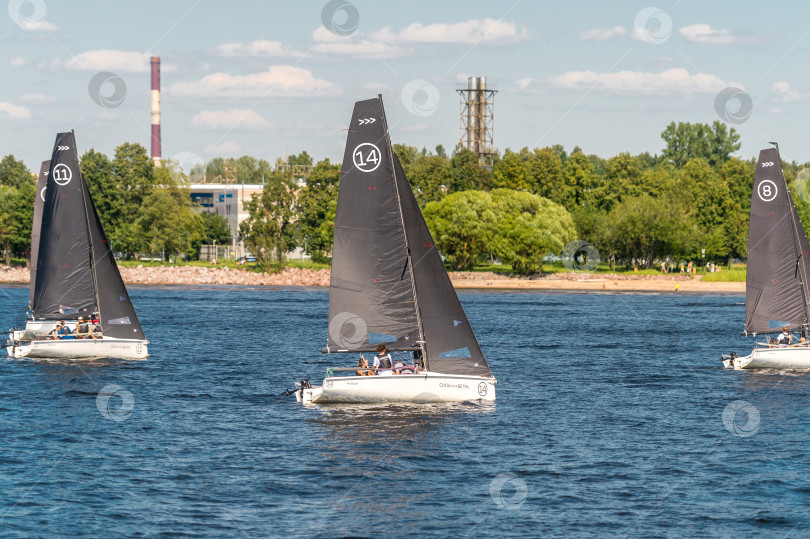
(766, 190)
(366, 157)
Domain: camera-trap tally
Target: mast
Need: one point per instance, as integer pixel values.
(800, 264)
(91, 247)
(421, 337)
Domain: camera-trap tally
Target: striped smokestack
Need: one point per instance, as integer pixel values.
(156, 109)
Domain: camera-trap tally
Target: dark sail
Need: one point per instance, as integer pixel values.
(116, 314)
(76, 271)
(371, 292)
(39, 201)
(450, 344)
(64, 281)
(388, 279)
(777, 276)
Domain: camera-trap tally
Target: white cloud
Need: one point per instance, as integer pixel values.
(602, 34)
(706, 35)
(783, 93)
(530, 85)
(359, 49)
(671, 81)
(469, 32)
(259, 48)
(277, 81)
(387, 43)
(224, 148)
(229, 119)
(18, 61)
(37, 99)
(13, 112)
(110, 60)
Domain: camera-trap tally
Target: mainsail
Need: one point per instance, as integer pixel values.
(39, 202)
(76, 271)
(778, 274)
(388, 282)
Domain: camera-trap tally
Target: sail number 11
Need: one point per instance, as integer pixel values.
(366, 157)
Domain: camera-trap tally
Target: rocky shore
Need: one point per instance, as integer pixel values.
(206, 276)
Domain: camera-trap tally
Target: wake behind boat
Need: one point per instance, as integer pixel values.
(776, 287)
(74, 277)
(389, 286)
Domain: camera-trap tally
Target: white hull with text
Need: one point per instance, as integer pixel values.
(81, 348)
(423, 387)
(788, 357)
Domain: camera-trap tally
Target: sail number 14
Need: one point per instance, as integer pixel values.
(366, 157)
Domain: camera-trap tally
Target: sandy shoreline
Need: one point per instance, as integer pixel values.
(202, 275)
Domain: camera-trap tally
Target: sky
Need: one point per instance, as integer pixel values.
(269, 79)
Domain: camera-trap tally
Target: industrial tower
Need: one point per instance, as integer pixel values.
(477, 115)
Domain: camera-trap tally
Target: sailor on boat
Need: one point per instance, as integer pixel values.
(383, 363)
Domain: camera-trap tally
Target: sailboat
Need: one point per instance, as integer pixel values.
(389, 286)
(778, 275)
(73, 273)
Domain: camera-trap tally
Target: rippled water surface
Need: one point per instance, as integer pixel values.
(609, 420)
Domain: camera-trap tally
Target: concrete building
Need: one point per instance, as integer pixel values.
(226, 200)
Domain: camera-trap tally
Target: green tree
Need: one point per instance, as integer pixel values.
(167, 222)
(269, 230)
(530, 227)
(431, 177)
(467, 173)
(621, 179)
(302, 158)
(462, 225)
(544, 173)
(315, 207)
(510, 172)
(577, 176)
(14, 173)
(8, 224)
(715, 143)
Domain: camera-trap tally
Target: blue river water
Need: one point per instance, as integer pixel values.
(613, 416)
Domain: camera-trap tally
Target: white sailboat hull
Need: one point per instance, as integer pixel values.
(80, 348)
(792, 357)
(423, 387)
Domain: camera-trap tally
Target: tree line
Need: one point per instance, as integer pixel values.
(691, 202)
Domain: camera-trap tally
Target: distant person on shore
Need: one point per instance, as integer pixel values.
(383, 361)
(663, 267)
(785, 337)
(689, 267)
